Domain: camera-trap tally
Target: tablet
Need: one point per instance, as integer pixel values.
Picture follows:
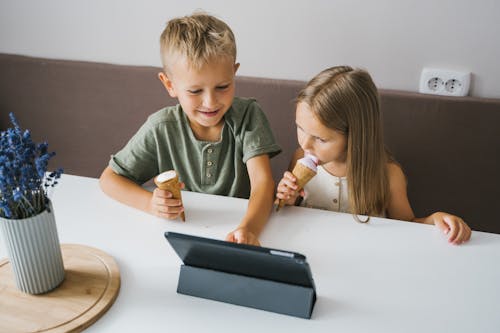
(260, 262)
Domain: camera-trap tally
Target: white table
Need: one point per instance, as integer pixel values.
(384, 276)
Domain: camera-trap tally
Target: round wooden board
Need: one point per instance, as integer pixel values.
(90, 286)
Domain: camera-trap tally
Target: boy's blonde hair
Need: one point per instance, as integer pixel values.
(346, 100)
(199, 38)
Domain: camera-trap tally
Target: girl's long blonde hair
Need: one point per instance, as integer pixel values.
(346, 100)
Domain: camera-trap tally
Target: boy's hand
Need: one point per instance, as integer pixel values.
(242, 236)
(287, 189)
(163, 205)
(456, 229)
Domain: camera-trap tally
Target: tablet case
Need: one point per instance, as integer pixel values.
(242, 289)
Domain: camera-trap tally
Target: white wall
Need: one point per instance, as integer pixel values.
(393, 39)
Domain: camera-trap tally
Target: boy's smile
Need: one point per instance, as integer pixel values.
(209, 113)
(205, 94)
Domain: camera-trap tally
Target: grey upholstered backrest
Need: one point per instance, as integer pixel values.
(449, 147)
(450, 151)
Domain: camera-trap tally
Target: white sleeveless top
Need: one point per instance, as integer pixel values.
(325, 191)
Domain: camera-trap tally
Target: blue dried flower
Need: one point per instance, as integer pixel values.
(24, 181)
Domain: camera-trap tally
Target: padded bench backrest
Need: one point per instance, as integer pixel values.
(448, 147)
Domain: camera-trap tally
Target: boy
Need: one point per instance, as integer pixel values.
(218, 143)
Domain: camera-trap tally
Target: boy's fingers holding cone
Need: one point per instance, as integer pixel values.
(163, 194)
(169, 181)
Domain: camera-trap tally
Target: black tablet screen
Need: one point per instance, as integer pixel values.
(255, 261)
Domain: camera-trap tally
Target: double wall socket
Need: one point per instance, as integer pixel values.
(444, 82)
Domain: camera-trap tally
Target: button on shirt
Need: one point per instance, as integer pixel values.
(166, 142)
(326, 191)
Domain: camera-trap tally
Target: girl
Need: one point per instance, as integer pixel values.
(338, 121)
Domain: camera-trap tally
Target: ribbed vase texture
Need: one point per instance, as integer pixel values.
(34, 252)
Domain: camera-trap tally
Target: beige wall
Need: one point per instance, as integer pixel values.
(393, 39)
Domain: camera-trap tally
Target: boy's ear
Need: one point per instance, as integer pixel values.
(236, 66)
(167, 83)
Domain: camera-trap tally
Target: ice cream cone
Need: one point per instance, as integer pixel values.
(303, 171)
(169, 181)
(303, 174)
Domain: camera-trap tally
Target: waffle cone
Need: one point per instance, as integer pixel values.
(303, 175)
(173, 186)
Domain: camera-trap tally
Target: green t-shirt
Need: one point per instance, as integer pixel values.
(166, 142)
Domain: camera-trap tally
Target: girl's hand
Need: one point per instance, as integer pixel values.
(242, 236)
(287, 189)
(456, 229)
(163, 205)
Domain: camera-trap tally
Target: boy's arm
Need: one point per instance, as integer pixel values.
(124, 190)
(259, 204)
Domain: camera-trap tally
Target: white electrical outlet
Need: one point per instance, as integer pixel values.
(444, 82)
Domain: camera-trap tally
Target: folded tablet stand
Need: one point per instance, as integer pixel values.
(289, 299)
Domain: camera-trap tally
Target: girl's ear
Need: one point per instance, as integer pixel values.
(167, 83)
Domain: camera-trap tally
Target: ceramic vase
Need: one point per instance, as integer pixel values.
(34, 251)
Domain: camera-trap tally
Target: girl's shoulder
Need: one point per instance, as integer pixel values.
(395, 175)
(399, 207)
(394, 167)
